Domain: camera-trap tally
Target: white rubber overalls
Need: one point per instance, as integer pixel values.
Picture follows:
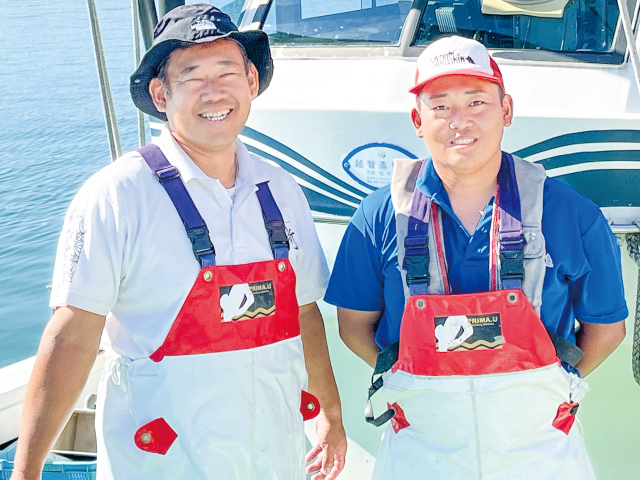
(477, 391)
(221, 397)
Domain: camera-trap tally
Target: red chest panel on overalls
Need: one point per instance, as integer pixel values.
(474, 334)
(263, 304)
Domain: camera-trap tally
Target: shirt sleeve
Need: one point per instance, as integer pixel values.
(312, 272)
(598, 294)
(357, 280)
(88, 266)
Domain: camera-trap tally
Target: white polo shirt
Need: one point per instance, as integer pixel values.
(124, 251)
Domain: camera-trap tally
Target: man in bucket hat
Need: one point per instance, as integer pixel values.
(465, 278)
(201, 263)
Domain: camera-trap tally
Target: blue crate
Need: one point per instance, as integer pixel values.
(57, 467)
(68, 470)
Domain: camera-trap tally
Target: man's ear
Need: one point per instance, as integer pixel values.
(507, 109)
(158, 94)
(254, 81)
(417, 121)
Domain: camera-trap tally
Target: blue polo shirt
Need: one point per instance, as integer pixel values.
(583, 278)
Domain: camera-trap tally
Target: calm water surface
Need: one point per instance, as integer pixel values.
(52, 138)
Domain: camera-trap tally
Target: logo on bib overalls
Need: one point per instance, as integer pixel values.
(468, 332)
(247, 301)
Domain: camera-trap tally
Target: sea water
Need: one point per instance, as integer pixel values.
(52, 138)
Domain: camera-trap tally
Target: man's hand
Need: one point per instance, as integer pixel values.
(332, 442)
(328, 455)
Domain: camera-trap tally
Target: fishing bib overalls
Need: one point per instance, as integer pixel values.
(476, 389)
(221, 397)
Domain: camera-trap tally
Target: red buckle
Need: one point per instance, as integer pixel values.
(565, 417)
(155, 437)
(309, 406)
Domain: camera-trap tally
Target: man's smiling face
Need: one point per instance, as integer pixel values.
(461, 120)
(207, 96)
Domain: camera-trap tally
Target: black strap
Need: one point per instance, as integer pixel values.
(565, 350)
(386, 358)
(384, 362)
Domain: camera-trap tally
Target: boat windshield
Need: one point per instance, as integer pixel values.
(359, 22)
(585, 30)
(233, 8)
(553, 25)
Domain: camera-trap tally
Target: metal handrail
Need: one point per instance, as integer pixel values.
(631, 41)
(111, 122)
(135, 13)
(330, 219)
(148, 20)
(623, 228)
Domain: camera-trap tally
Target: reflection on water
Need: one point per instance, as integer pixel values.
(52, 138)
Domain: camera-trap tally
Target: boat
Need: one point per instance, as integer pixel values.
(336, 115)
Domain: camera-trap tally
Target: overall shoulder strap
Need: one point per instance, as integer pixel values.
(510, 239)
(423, 263)
(273, 221)
(169, 177)
(531, 178)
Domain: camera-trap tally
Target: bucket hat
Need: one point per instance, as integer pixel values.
(456, 56)
(189, 25)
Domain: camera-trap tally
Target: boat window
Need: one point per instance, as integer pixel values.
(359, 22)
(565, 26)
(233, 8)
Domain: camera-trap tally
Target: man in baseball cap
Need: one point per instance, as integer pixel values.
(215, 349)
(461, 284)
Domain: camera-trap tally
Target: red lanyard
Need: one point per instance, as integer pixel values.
(493, 245)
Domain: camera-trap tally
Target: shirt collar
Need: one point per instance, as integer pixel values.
(431, 185)
(250, 171)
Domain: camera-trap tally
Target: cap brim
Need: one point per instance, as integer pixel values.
(255, 42)
(464, 73)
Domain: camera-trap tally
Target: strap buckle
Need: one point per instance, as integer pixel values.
(277, 234)
(417, 267)
(167, 173)
(512, 263)
(200, 241)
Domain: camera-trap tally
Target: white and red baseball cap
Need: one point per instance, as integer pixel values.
(455, 56)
